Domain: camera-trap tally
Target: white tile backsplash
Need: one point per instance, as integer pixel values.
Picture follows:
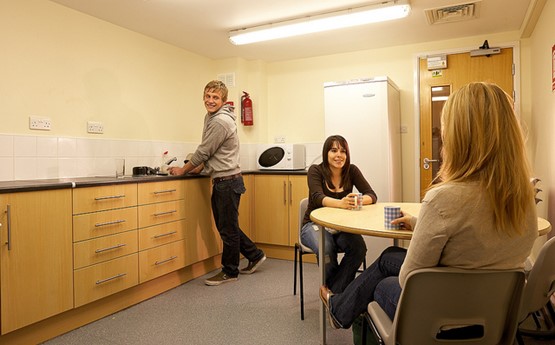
(24, 146)
(25, 168)
(46, 168)
(41, 157)
(67, 167)
(6, 169)
(67, 147)
(6, 145)
(47, 147)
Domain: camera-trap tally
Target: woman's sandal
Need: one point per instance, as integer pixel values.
(325, 295)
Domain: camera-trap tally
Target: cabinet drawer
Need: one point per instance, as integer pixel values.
(163, 212)
(91, 225)
(105, 248)
(153, 192)
(101, 280)
(92, 199)
(161, 234)
(161, 260)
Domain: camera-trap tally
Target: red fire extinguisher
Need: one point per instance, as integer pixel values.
(246, 110)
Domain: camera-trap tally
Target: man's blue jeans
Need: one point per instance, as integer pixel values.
(226, 196)
(338, 274)
(382, 275)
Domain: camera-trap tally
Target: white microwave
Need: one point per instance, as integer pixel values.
(281, 157)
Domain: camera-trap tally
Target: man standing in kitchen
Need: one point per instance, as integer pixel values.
(218, 153)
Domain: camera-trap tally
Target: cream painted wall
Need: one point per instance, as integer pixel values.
(295, 92)
(542, 107)
(72, 68)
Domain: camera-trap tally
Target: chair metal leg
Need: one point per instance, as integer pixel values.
(363, 266)
(374, 328)
(363, 329)
(295, 270)
(301, 282)
(545, 325)
(519, 339)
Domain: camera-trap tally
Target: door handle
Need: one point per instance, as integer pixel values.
(427, 162)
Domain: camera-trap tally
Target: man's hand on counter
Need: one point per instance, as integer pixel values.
(187, 168)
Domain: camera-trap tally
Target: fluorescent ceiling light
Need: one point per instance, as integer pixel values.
(336, 20)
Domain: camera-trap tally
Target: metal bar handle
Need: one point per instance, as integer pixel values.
(9, 214)
(165, 234)
(111, 278)
(110, 223)
(164, 261)
(428, 161)
(164, 213)
(109, 197)
(290, 193)
(284, 193)
(110, 248)
(165, 191)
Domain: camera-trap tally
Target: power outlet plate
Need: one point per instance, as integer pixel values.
(95, 127)
(40, 123)
(280, 139)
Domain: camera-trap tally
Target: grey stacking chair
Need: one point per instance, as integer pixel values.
(540, 285)
(444, 305)
(300, 250)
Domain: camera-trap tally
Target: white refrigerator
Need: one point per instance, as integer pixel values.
(367, 113)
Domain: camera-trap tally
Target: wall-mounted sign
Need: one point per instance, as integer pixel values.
(437, 62)
(437, 73)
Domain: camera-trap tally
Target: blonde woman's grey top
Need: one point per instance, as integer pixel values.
(455, 228)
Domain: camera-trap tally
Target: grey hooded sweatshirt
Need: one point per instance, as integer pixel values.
(219, 149)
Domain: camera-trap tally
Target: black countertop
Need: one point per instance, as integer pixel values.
(79, 182)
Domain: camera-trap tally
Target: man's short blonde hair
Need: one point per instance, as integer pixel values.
(216, 86)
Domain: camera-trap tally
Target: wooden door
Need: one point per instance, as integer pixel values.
(436, 85)
(37, 263)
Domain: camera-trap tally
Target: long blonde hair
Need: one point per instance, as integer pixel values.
(483, 141)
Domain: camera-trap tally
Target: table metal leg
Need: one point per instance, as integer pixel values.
(322, 265)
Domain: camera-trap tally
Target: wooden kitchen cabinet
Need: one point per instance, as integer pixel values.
(245, 207)
(203, 240)
(162, 228)
(81, 253)
(105, 241)
(36, 271)
(276, 207)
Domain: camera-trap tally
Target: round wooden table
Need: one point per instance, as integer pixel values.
(369, 221)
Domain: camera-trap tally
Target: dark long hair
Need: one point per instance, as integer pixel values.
(328, 144)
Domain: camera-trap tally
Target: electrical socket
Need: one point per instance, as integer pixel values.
(40, 123)
(279, 139)
(95, 127)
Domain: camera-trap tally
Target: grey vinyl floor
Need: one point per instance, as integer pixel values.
(257, 309)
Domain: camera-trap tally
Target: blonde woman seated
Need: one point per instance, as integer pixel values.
(481, 213)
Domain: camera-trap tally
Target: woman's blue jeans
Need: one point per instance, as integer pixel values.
(379, 280)
(226, 196)
(338, 274)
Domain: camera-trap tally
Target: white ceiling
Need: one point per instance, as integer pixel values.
(202, 26)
